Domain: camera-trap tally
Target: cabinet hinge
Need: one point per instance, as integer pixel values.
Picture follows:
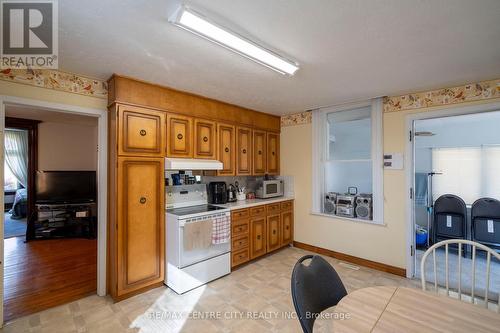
(411, 136)
(412, 250)
(411, 192)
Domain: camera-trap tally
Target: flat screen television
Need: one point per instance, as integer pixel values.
(65, 187)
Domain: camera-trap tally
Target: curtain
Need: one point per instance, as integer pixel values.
(16, 154)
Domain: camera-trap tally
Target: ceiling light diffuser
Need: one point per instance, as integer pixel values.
(196, 23)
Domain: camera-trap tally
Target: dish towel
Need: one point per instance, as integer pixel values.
(221, 232)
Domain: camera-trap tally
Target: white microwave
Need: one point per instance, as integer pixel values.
(270, 189)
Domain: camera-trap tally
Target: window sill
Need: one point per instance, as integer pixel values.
(352, 219)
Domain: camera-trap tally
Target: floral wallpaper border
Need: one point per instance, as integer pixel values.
(301, 118)
(460, 94)
(57, 80)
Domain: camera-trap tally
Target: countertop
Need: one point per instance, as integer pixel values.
(254, 202)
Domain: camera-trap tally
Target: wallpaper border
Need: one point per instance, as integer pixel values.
(57, 80)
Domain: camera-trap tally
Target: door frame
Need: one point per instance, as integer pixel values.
(438, 112)
(102, 186)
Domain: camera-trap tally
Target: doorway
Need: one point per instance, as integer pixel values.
(455, 160)
(99, 259)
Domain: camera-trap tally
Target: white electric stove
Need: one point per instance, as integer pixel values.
(188, 266)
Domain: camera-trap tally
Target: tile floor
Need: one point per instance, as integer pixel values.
(254, 298)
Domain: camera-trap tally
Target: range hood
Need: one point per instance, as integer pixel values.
(191, 164)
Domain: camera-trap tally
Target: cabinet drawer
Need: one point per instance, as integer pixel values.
(239, 257)
(239, 243)
(239, 214)
(239, 228)
(287, 205)
(273, 208)
(258, 211)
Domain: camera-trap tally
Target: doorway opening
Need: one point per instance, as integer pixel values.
(456, 164)
(53, 165)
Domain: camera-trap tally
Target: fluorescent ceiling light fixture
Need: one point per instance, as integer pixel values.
(196, 23)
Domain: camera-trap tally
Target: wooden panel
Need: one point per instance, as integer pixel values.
(258, 211)
(239, 214)
(226, 149)
(273, 153)
(239, 227)
(180, 136)
(286, 227)
(239, 257)
(136, 92)
(272, 209)
(287, 205)
(257, 237)
(141, 131)
(239, 242)
(140, 223)
(244, 151)
(43, 274)
(259, 152)
(204, 138)
(273, 232)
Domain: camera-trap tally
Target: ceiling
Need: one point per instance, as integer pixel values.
(26, 112)
(348, 50)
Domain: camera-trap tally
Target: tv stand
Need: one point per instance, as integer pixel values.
(63, 220)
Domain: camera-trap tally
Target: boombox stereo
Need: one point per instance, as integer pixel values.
(330, 204)
(364, 206)
(345, 205)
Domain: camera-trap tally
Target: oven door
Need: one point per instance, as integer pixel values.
(195, 241)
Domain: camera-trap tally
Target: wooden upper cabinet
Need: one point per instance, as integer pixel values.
(204, 138)
(180, 136)
(226, 149)
(273, 153)
(257, 237)
(259, 152)
(140, 226)
(141, 131)
(244, 151)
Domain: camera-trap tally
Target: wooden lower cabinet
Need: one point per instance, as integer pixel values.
(137, 243)
(286, 228)
(258, 237)
(273, 232)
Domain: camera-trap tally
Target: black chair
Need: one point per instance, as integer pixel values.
(314, 288)
(485, 222)
(450, 218)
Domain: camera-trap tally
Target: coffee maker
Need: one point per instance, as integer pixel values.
(217, 193)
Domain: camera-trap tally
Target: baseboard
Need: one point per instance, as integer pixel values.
(352, 259)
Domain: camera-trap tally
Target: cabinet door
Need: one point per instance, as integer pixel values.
(244, 151)
(259, 152)
(257, 237)
(273, 232)
(204, 138)
(286, 228)
(273, 151)
(226, 149)
(140, 223)
(180, 136)
(140, 131)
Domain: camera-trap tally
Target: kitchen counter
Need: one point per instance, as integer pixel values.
(254, 202)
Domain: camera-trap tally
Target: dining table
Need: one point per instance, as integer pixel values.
(401, 309)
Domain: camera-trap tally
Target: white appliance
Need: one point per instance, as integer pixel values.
(190, 267)
(192, 164)
(270, 189)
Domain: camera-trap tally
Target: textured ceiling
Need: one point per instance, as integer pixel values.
(348, 50)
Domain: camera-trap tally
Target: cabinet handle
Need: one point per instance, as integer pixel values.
(287, 227)
(226, 150)
(260, 152)
(142, 200)
(272, 153)
(205, 139)
(258, 237)
(179, 136)
(274, 232)
(244, 151)
(142, 132)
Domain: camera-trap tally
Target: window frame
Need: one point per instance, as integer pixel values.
(319, 158)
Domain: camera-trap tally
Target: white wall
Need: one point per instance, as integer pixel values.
(66, 147)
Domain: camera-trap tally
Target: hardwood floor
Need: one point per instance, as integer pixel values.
(46, 273)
